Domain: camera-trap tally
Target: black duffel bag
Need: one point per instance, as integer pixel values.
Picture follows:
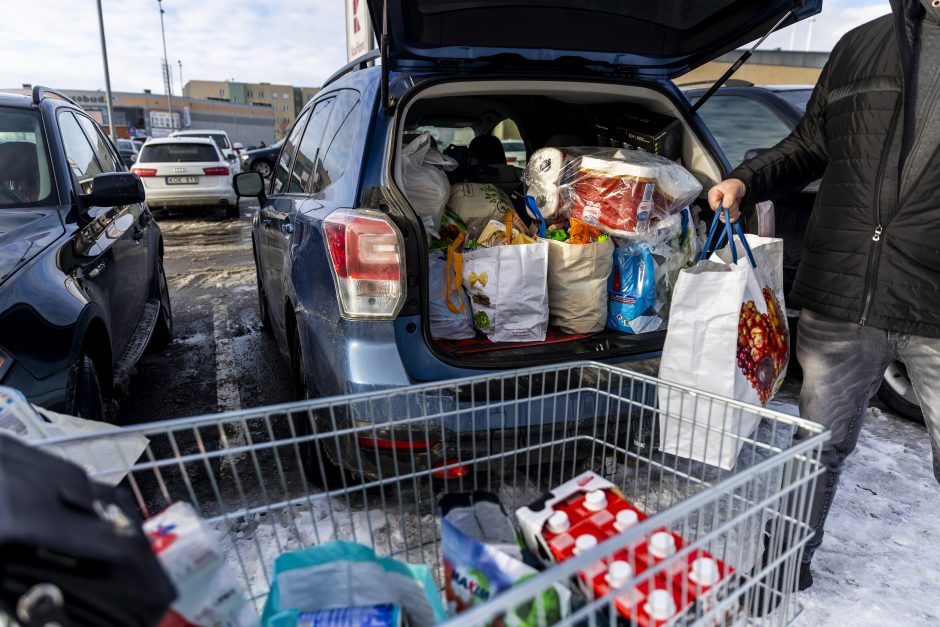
(72, 550)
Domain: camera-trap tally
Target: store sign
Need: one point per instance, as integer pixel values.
(358, 29)
(161, 124)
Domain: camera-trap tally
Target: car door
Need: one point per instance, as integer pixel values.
(113, 260)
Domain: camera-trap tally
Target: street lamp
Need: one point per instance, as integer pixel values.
(166, 68)
(107, 73)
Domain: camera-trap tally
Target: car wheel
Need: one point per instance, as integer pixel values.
(163, 331)
(318, 464)
(897, 392)
(85, 399)
(262, 167)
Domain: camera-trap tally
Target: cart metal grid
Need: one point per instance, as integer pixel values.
(371, 467)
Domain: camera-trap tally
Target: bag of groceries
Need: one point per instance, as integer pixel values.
(478, 203)
(727, 335)
(579, 262)
(423, 180)
(506, 280)
(448, 307)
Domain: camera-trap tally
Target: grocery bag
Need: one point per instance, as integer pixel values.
(577, 277)
(727, 335)
(478, 203)
(448, 308)
(423, 180)
(631, 290)
(508, 290)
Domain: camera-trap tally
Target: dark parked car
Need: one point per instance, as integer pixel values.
(341, 255)
(128, 150)
(747, 119)
(261, 160)
(82, 287)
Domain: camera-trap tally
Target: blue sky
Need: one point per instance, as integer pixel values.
(298, 42)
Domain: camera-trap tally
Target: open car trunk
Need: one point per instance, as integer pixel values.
(555, 113)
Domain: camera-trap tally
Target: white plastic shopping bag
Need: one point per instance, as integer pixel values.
(727, 335)
(424, 182)
(508, 291)
(108, 457)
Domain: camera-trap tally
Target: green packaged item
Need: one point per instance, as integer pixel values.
(347, 574)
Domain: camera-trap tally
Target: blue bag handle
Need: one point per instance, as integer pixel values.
(727, 233)
(534, 209)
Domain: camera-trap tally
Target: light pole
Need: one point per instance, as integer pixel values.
(181, 77)
(107, 73)
(166, 68)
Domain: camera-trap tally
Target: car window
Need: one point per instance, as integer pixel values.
(447, 135)
(338, 139)
(106, 157)
(221, 141)
(178, 153)
(78, 151)
(740, 123)
(282, 169)
(305, 163)
(25, 175)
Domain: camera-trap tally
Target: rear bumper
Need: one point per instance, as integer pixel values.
(159, 198)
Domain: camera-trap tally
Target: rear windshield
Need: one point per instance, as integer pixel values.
(125, 144)
(178, 153)
(220, 140)
(25, 175)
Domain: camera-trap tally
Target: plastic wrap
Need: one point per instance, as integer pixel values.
(425, 184)
(624, 192)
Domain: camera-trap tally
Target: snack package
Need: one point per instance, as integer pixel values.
(482, 557)
(621, 191)
(343, 575)
(423, 179)
(190, 554)
(384, 615)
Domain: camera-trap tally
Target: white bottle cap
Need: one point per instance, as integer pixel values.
(661, 605)
(662, 544)
(705, 571)
(618, 573)
(584, 543)
(626, 518)
(558, 522)
(595, 500)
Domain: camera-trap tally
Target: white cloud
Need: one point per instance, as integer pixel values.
(836, 19)
(298, 42)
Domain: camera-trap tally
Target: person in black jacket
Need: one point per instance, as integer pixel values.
(869, 282)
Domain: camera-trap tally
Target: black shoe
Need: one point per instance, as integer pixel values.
(806, 577)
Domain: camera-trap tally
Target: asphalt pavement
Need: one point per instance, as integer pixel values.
(219, 358)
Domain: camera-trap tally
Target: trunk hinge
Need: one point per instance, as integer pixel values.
(388, 101)
(737, 64)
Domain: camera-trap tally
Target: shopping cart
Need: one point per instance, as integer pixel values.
(371, 468)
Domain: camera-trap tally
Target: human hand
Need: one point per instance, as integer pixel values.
(728, 193)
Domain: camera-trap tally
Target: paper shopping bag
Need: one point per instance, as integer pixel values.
(577, 285)
(727, 335)
(507, 286)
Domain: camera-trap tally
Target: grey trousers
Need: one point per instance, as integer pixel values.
(843, 365)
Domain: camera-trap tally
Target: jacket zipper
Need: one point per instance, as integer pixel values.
(874, 253)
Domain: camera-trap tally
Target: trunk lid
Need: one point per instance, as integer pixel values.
(659, 39)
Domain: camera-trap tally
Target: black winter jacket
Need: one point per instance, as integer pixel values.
(870, 255)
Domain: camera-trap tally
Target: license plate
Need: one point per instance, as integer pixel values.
(181, 180)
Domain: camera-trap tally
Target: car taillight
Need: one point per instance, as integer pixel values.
(144, 171)
(216, 171)
(365, 249)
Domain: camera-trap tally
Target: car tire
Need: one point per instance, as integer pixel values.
(897, 393)
(163, 331)
(262, 167)
(85, 398)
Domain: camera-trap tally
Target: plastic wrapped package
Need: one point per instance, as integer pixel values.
(624, 192)
(425, 184)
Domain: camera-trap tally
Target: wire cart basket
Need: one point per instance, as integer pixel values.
(371, 468)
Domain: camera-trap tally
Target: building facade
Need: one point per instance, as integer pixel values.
(148, 115)
(284, 101)
(765, 67)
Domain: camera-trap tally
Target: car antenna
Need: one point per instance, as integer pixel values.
(737, 64)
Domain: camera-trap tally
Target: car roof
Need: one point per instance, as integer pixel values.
(200, 131)
(15, 100)
(789, 87)
(180, 140)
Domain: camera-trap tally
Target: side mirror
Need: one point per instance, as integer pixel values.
(249, 185)
(231, 157)
(114, 189)
(754, 152)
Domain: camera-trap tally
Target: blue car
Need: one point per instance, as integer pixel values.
(341, 256)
